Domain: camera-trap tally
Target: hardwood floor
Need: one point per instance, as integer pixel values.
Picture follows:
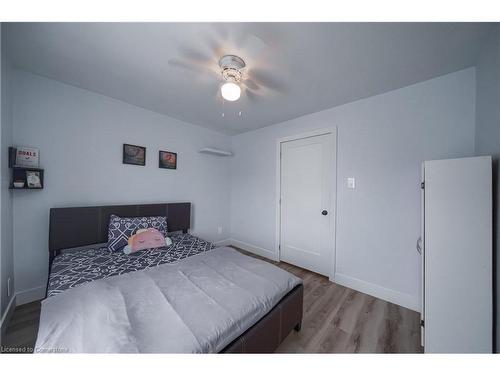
(20, 335)
(341, 320)
(336, 320)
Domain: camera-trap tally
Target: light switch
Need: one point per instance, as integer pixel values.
(351, 182)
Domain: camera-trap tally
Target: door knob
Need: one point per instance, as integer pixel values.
(324, 212)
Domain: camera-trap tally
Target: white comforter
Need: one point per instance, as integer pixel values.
(199, 304)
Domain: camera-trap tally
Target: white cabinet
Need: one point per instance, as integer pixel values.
(457, 256)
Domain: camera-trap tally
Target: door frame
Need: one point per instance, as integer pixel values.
(324, 131)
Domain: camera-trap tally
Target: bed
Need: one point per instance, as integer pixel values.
(249, 306)
(74, 267)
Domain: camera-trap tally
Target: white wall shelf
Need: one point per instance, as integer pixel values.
(215, 151)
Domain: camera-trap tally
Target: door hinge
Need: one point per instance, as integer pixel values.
(422, 185)
(422, 324)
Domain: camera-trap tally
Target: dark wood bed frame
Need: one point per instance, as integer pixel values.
(72, 227)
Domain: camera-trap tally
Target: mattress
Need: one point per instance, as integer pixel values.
(197, 305)
(75, 267)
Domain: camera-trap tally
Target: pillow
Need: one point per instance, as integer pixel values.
(121, 228)
(149, 238)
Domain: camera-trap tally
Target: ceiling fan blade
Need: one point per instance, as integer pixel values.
(195, 56)
(184, 65)
(199, 69)
(267, 80)
(250, 84)
(215, 47)
(271, 33)
(258, 40)
(252, 96)
(218, 40)
(221, 29)
(249, 46)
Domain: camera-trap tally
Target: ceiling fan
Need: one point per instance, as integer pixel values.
(233, 75)
(232, 71)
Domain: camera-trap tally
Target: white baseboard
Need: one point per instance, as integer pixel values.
(221, 243)
(269, 254)
(390, 295)
(30, 295)
(6, 317)
(393, 296)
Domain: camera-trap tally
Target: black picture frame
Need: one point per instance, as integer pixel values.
(167, 160)
(134, 155)
(33, 179)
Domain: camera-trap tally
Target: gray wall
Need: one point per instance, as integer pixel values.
(487, 138)
(80, 136)
(6, 256)
(382, 141)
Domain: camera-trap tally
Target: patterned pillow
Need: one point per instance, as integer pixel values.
(121, 228)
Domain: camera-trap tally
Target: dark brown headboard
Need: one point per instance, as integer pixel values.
(80, 226)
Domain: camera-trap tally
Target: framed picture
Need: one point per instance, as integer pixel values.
(135, 155)
(27, 157)
(33, 179)
(168, 160)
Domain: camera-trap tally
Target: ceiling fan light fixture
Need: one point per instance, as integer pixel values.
(230, 91)
(232, 71)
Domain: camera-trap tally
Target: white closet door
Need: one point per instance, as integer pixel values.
(458, 256)
(307, 203)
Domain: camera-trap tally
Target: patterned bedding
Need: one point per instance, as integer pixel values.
(72, 268)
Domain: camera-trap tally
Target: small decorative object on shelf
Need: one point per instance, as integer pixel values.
(33, 179)
(25, 175)
(28, 157)
(26, 178)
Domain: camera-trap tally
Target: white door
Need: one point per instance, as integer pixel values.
(458, 256)
(307, 203)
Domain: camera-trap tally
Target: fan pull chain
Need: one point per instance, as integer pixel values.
(223, 114)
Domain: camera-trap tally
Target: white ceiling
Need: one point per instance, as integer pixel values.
(296, 68)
